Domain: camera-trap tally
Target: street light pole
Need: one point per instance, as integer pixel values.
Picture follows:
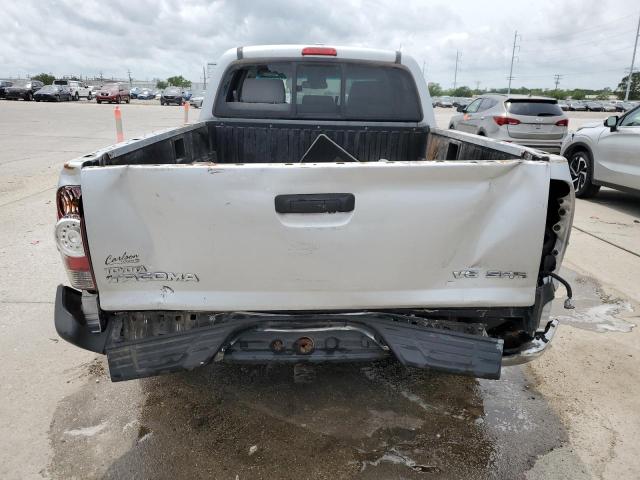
(633, 59)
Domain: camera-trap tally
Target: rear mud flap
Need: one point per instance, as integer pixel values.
(442, 350)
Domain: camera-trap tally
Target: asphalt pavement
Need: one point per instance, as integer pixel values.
(571, 414)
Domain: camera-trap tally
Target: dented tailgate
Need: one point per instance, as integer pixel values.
(385, 234)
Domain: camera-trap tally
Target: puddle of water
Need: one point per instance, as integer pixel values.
(595, 310)
(354, 421)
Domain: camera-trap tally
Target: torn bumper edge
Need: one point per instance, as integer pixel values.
(533, 349)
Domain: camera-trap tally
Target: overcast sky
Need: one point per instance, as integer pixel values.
(589, 42)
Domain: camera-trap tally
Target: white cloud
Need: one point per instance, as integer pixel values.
(588, 41)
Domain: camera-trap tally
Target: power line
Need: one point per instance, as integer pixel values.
(589, 42)
(582, 31)
(572, 58)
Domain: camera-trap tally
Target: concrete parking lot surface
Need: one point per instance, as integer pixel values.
(571, 414)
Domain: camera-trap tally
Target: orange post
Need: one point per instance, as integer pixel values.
(119, 133)
(186, 112)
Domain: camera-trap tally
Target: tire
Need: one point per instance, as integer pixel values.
(76, 97)
(57, 98)
(89, 97)
(581, 169)
(128, 99)
(98, 101)
(29, 97)
(118, 99)
(37, 100)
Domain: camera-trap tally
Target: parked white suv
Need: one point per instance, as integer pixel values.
(78, 89)
(536, 122)
(605, 154)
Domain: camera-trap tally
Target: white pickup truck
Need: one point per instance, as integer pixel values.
(314, 213)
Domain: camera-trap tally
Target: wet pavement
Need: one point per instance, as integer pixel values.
(352, 421)
(361, 421)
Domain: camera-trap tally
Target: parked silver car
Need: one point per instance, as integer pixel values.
(536, 122)
(605, 154)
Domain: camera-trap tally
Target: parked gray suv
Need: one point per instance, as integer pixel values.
(536, 122)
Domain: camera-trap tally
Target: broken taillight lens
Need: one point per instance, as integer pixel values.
(71, 238)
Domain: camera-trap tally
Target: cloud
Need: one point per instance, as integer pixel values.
(590, 41)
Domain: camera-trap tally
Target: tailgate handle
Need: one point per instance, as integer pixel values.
(315, 203)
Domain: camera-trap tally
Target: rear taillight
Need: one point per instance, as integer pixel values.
(563, 123)
(71, 238)
(326, 51)
(503, 120)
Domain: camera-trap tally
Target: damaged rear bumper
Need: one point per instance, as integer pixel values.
(451, 347)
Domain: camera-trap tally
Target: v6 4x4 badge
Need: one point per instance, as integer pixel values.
(475, 273)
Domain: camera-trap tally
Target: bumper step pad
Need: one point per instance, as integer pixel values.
(442, 350)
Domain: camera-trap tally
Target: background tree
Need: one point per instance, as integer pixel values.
(634, 93)
(462, 92)
(179, 81)
(578, 94)
(161, 84)
(45, 78)
(435, 90)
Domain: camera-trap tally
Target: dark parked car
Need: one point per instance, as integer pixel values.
(171, 95)
(146, 94)
(563, 105)
(577, 107)
(113, 93)
(595, 107)
(3, 86)
(53, 93)
(23, 89)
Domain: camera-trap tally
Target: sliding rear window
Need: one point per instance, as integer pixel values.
(319, 90)
(539, 108)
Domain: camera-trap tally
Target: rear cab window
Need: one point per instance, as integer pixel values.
(537, 108)
(340, 90)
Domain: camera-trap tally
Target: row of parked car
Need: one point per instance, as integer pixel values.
(450, 102)
(67, 90)
(596, 106)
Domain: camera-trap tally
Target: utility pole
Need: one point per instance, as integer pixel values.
(513, 56)
(204, 77)
(130, 79)
(455, 75)
(477, 86)
(557, 78)
(633, 59)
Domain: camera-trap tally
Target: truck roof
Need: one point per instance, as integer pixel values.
(356, 53)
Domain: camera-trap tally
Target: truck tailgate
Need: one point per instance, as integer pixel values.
(417, 234)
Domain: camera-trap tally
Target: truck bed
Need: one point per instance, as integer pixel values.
(273, 142)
